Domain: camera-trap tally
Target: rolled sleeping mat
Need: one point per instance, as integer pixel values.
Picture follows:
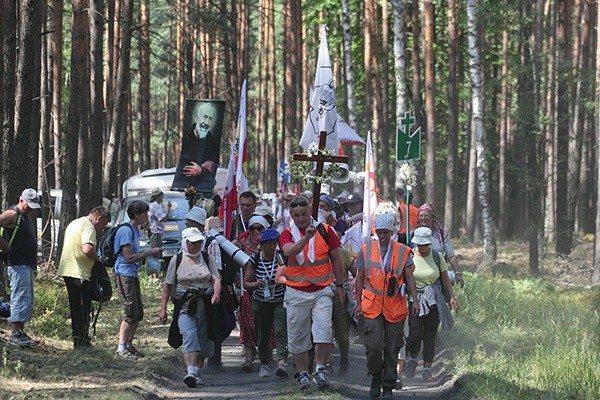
(237, 255)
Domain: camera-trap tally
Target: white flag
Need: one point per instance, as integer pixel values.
(241, 169)
(369, 192)
(322, 116)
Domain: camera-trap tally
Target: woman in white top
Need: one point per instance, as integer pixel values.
(191, 280)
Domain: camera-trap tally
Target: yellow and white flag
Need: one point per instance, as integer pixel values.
(369, 193)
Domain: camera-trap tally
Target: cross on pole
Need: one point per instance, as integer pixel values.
(320, 159)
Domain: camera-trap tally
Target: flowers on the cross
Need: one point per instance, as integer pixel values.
(305, 171)
(408, 174)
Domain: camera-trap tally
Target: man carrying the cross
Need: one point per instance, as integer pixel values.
(313, 263)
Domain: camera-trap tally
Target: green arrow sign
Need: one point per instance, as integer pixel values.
(408, 144)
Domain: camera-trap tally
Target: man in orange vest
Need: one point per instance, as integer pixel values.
(404, 200)
(313, 263)
(385, 270)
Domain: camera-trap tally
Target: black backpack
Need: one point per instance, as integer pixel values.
(229, 269)
(107, 246)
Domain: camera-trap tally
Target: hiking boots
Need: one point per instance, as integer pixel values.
(281, 371)
(375, 389)
(135, 352)
(190, 381)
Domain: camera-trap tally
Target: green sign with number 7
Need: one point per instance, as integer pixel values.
(408, 143)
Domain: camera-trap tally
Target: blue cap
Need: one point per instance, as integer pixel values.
(269, 234)
(327, 199)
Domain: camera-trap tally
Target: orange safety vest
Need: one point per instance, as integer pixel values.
(318, 273)
(374, 296)
(413, 217)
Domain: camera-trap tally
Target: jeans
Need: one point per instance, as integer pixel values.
(21, 292)
(423, 329)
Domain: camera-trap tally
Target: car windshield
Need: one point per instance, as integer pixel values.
(179, 207)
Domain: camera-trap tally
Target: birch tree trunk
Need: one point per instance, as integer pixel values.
(56, 36)
(489, 240)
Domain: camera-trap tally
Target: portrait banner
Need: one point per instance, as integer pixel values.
(201, 145)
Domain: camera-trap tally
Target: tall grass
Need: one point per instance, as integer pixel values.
(526, 339)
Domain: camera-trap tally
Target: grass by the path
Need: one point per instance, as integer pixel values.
(527, 339)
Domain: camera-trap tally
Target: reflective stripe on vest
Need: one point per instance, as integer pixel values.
(375, 300)
(319, 272)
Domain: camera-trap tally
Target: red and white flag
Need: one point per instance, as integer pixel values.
(369, 192)
(322, 116)
(241, 161)
(237, 180)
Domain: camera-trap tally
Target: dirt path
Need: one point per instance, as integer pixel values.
(232, 383)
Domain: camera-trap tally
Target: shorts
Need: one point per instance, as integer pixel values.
(21, 292)
(194, 331)
(308, 313)
(131, 297)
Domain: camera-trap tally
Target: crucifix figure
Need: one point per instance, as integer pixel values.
(320, 159)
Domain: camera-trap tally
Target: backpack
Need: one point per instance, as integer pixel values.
(108, 256)
(101, 289)
(229, 269)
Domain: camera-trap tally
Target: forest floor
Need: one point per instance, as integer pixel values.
(54, 370)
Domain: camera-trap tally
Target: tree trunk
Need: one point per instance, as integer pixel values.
(400, 71)
(429, 61)
(119, 110)
(77, 118)
(489, 239)
(452, 144)
(9, 43)
(56, 36)
(27, 102)
(596, 261)
(96, 18)
(503, 132)
(350, 82)
(417, 102)
(388, 180)
(563, 40)
(144, 85)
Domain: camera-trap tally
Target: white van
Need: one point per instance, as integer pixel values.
(163, 178)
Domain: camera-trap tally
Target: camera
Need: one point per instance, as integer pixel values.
(392, 286)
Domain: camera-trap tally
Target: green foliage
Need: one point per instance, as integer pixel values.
(524, 339)
(51, 310)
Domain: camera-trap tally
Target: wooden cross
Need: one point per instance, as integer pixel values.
(320, 159)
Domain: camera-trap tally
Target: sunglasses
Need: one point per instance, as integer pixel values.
(259, 228)
(299, 203)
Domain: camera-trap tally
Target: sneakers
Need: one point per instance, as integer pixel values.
(22, 339)
(125, 354)
(281, 372)
(387, 394)
(375, 389)
(190, 381)
(321, 378)
(135, 352)
(265, 372)
(427, 374)
(304, 380)
(411, 368)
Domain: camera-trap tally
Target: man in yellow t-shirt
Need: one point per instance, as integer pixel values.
(77, 259)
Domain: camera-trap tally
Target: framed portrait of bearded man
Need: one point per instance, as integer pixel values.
(201, 145)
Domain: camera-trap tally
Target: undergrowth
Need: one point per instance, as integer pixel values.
(527, 339)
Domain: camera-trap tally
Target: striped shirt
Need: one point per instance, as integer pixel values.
(265, 271)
